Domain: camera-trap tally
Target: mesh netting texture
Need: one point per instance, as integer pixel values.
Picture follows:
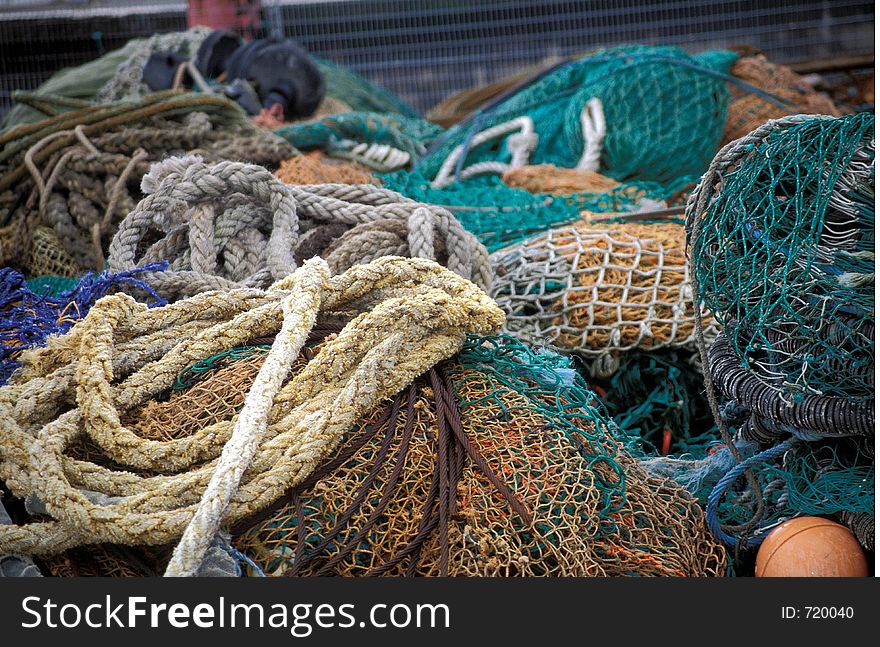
(783, 92)
(599, 290)
(606, 113)
(497, 463)
(782, 231)
(28, 317)
(398, 317)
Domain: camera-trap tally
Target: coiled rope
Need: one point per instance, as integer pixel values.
(232, 225)
(404, 316)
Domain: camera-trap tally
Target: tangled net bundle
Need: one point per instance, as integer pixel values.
(782, 235)
(67, 181)
(656, 399)
(317, 168)
(495, 463)
(28, 318)
(231, 225)
(782, 232)
(402, 317)
(637, 157)
(637, 89)
(599, 291)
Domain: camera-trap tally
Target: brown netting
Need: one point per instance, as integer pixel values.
(104, 560)
(48, 257)
(746, 110)
(185, 412)
(463, 474)
(316, 168)
(599, 290)
(547, 178)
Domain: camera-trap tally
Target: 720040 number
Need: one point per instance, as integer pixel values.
(828, 612)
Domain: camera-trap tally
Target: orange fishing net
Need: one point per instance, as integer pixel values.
(547, 178)
(317, 168)
(599, 290)
(746, 110)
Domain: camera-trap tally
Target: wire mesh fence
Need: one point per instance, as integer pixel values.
(425, 50)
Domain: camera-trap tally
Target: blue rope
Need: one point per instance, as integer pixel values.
(240, 556)
(718, 492)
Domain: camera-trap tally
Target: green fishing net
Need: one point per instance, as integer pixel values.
(782, 233)
(358, 93)
(665, 113)
(498, 462)
(834, 477)
(500, 215)
(51, 286)
(655, 398)
(341, 134)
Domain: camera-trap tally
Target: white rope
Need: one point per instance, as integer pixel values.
(520, 144)
(593, 129)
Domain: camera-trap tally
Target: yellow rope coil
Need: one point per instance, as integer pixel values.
(404, 316)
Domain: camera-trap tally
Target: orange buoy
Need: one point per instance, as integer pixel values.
(811, 547)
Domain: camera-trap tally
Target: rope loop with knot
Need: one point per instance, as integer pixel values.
(403, 317)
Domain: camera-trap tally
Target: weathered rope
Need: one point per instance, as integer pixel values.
(231, 225)
(84, 168)
(404, 315)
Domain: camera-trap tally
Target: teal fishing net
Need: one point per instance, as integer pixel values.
(358, 93)
(664, 114)
(440, 480)
(500, 215)
(664, 110)
(782, 233)
(345, 134)
(835, 477)
(655, 399)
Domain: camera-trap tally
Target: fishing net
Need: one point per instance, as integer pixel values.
(28, 317)
(46, 255)
(230, 225)
(358, 93)
(98, 561)
(636, 134)
(656, 400)
(67, 181)
(634, 113)
(599, 290)
(796, 478)
(127, 84)
(495, 463)
(316, 168)
(383, 142)
(789, 94)
(782, 233)
(501, 215)
(546, 178)
(775, 414)
(399, 317)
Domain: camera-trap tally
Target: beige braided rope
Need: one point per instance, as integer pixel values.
(230, 225)
(405, 315)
